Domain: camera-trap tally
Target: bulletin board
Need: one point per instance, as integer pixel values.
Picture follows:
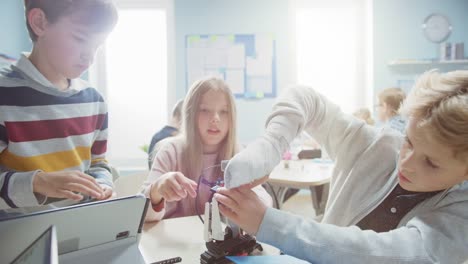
(247, 62)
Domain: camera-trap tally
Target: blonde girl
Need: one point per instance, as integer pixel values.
(187, 166)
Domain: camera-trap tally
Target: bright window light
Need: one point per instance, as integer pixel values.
(326, 49)
(136, 66)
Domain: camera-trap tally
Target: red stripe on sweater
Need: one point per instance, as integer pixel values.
(25, 131)
(99, 147)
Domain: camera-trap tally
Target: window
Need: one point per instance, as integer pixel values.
(331, 54)
(131, 71)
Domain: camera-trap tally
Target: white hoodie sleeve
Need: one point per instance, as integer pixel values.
(439, 235)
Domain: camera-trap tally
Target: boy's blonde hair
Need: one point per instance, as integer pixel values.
(439, 103)
(99, 15)
(193, 148)
(393, 97)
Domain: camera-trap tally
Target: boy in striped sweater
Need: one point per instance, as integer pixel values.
(53, 126)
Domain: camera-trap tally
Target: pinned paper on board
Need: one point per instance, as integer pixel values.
(246, 62)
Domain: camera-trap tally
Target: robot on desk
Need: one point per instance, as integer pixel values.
(230, 242)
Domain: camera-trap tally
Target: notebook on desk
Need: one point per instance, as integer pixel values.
(97, 232)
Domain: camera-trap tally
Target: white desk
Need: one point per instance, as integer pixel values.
(178, 237)
(303, 174)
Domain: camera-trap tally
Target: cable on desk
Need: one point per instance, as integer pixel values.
(198, 190)
(169, 261)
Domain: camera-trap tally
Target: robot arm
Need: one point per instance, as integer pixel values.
(213, 228)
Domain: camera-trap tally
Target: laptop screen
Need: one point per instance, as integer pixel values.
(42, 251)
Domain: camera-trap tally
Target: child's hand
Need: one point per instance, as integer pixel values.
(66, 184)
(108, 193)
(172, 186)
(242, 206)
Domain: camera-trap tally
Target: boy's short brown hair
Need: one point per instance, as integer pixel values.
(393, 97)
(98, 15)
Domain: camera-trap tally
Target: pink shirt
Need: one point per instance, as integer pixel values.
(169, 159)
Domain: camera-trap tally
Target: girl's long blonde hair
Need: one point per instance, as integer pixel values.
(193, 147)
(439, 103)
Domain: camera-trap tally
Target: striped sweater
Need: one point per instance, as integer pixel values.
(45, 129)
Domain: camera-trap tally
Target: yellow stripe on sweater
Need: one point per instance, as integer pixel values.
(99, 160)
(56, 161)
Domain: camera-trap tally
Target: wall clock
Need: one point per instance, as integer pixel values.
(436, 28)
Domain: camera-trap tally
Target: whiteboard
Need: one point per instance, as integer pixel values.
(247, 62)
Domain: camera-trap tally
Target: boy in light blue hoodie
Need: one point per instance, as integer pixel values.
(392, 199)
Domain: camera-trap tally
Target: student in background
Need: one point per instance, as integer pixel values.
(187, 164)
(53, 125)
(390, 100)
(392, 199)
(169, 130)
(365, 115)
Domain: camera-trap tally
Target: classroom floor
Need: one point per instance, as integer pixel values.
(300, 204)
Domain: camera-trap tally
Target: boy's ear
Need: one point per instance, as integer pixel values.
(37, 21)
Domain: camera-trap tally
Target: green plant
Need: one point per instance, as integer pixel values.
(144, 148)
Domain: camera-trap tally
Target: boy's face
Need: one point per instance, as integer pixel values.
(383, 111)
(213, 119)
(425, 165)
(69, 46)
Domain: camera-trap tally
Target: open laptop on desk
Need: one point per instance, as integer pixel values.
(97, 232)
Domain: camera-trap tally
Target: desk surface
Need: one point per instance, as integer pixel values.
(301, 173)
(178, 237)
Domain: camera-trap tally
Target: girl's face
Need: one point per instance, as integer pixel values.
(213, 120)
(426, 165)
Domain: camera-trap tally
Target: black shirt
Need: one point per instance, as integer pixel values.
(165, 132)
(389, 213)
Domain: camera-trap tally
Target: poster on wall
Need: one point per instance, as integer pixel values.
(246, 62)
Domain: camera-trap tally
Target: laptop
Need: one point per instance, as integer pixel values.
(43, 250)
(96, 232)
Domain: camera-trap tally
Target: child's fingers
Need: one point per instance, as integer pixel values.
(188, 185)
(234, 194)
(89, 178)
(170, 195)
(107, 194)
(193, 189)
(90, 184)
(177, 188)
(227, 201)
(70, 195)
(76, 187)
(86, 176)
(227, 212)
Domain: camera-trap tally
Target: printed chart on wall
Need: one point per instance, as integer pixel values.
(246, 62)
